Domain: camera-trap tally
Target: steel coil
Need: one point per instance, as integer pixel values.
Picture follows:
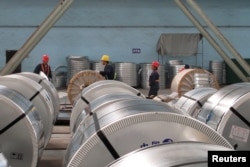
(98, 89)
(21, 129)
(76, 64)
(49, 87)
(59, 78)
(127, 73)
(216, 68)
(186, 154)
(192, 101)
(118, 128)
(37, 95)
(101, 102)
(97, 66)
(201, 80)
(226, 111)
(172, 68)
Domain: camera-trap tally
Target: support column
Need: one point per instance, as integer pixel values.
(35, 38)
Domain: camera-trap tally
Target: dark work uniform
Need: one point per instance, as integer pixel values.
(108, 72)
(154, 86)
(44, 68)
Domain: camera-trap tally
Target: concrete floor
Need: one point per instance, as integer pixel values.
(54, 154)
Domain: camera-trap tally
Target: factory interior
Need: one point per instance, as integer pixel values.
(61, 108)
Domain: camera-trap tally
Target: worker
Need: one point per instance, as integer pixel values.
(108, 72)
(44, 67)
(186, 66)
(154, 80)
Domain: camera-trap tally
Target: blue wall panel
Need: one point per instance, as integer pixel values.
(94, 27)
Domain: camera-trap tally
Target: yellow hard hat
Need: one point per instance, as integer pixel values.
(105, 57)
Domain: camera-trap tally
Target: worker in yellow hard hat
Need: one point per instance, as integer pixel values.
(108, 71)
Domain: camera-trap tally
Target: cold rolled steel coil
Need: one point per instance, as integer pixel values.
(119, 128)
(98, 89)
(76, 64)
(127, 73)
(192, 101)
(37, 95)
(172, 68)
(172, 154)
(21, 129)
(48, 86)
(227, 111)
(101, 102)
(201, 80)
(175, 62)
(59, 76)
(184, 81)
(146, 72)
(97, 65)
(80, 81)
(216, 68)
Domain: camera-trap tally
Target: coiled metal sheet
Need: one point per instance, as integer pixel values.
(201, 80)
(97, 66)
(59, 78)
(96, 90)
(227, 112)
(21, 130)
(216, 68)
(127, 73)
(182, 154)
(100, 102)
(37, 95)
(49, 87)
(173, 67)
(125, 126)
(192, 101)
(76, 64)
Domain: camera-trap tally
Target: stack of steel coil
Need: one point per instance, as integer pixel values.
(59, 76)
(115, 124)
(97, 66)
(127, 73)
(172, 68)
(217, 68)
(201, 80)
(192, 101)
(76, 64)
(226, 111)
(29, 109)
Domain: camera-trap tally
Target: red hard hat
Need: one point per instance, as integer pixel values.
(45, 58)
(155, 64)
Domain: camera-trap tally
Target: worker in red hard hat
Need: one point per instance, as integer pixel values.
(44, 67)
(154, 80)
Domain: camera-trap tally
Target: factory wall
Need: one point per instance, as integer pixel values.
(95, 27)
